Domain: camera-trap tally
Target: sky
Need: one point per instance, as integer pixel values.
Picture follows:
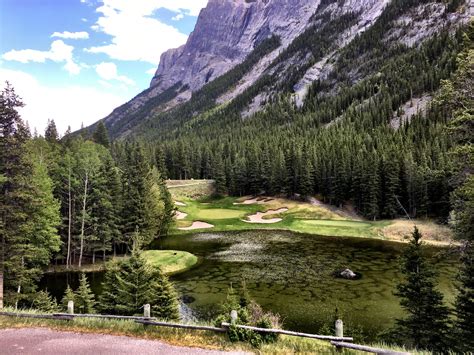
(74, 61)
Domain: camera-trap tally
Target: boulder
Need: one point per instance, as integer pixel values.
(348, 274)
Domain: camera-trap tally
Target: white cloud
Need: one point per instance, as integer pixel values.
(67, 105)
(71, 35)
(59, 52)
(108, 71)
(135, 34)
(151, 71)
(178, 17)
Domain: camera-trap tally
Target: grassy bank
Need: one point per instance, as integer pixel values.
(179, 337)
(230, 214)
(170, 262)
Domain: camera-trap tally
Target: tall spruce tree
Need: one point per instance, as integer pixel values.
(130, 284)
(84, 300)
(426, 323)
(51, 132)
(101, 136)
(27, 207)
(457, 99)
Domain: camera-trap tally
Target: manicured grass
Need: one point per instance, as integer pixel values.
(170, 261)
(301, 217)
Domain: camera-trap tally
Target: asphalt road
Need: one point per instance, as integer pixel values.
(47, 341)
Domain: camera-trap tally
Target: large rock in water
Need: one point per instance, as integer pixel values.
(348, 274)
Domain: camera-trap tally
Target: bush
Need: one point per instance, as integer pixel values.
(248, 313)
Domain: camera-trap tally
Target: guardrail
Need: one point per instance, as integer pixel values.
(339, 341)
(368, 349)
(287, 332)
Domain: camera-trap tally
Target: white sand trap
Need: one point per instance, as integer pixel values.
(180, 215)
(258, 217)
(177, 203)
(197, 225)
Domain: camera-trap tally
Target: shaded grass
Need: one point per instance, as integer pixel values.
(170, 261)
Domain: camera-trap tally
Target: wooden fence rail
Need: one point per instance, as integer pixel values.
(368, 349)
(103, 316)
(41, 316)
(182, 326)
(288, 332)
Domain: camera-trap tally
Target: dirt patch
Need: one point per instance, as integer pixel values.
(197, 225)
(259, 217)
(177, 203)
(180, 215)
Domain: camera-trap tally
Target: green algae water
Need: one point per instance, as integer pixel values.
(293, 275)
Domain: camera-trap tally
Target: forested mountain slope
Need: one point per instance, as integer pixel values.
(343, 110)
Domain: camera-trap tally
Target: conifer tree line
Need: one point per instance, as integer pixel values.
(70, 200)
(344, 147)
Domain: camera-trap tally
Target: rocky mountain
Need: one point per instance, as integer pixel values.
(248, 51)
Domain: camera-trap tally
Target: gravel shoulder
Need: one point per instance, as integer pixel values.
(47, 341)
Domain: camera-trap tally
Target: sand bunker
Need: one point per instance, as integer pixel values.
(180, 215)
(197, 225)
(253, 201)
(177, 203)
(258, 217)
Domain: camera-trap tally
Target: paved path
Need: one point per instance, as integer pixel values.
(47, 341)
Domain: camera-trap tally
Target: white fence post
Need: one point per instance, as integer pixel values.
(70, 307)
(339, 328)
(233, 316)
(147, 311)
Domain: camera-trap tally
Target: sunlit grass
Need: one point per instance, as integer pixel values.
(170, 261)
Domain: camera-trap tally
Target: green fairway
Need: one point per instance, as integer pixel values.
(170, 261)
(230, 213)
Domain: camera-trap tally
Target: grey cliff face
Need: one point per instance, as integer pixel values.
(226, 32)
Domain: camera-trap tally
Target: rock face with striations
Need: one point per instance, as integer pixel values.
(226, 32)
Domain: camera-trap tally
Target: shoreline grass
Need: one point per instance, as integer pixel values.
(171, 262)
(181, 337)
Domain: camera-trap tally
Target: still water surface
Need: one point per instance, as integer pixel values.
(291, 274)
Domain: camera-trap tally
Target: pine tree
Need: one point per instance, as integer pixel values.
(426, 326)
(132, 283)
(101, 136)
(219, 175)
(83, 297)
(464, 311)
(68, 296)
(51, 132)
(43, 302)
(27, 208)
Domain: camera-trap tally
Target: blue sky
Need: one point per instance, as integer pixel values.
(74, 61)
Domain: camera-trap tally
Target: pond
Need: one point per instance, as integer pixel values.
(292, 275)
